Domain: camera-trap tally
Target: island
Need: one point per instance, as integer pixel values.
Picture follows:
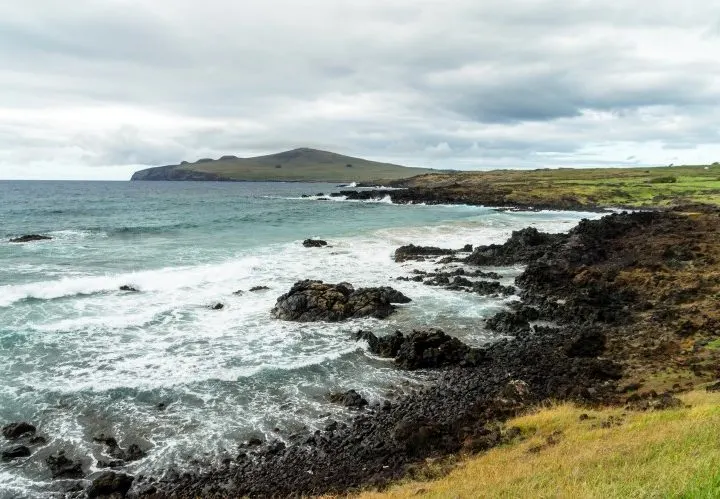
(298, 165)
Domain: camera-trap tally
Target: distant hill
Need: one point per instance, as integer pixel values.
(298, 165)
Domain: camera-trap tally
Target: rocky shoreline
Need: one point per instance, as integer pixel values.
(577, 310)
(602, 309)
(488, 195)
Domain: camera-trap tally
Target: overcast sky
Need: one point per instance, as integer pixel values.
(94, 88)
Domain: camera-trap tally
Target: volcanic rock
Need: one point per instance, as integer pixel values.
(16, 452)
(62, 467)
(314, 243)
(110, 484)
(423, 349)
(524, 246)
(30, 238)
(350, 398)
(309, 301)
(412, 252)
(14, 431)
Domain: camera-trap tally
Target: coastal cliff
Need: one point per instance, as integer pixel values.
(176, 172)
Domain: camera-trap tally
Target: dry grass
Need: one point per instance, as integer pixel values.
(672, 453)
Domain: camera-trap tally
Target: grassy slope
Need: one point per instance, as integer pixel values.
(671, 453)
(306, 165)
(596, 187)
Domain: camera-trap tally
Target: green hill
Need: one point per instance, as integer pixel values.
(298, 165)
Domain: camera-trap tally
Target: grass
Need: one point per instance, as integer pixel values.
(714, 345)
(610, 187)
(671, 453)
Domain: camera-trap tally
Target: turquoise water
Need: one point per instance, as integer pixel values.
(81, 357)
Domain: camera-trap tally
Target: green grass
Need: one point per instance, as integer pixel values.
(671, 453)
(714, 345)
(609, 187)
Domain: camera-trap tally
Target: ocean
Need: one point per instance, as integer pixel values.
(160, 368)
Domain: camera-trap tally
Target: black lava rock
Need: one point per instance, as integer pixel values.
(16, 452)
(30, 238)
(14, 431)
(314, 243)
(309, 301)
(62, 467)
(110, 484)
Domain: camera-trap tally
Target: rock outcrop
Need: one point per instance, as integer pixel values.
(63, 467)
(423, 349)
(110, 484)
(310, 301)
(17, 452)
(14, 431)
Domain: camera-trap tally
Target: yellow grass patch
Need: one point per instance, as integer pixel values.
(671, 453)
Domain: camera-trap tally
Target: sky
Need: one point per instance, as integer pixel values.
(96, 89)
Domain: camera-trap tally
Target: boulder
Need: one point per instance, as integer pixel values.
(16, 452)
(217, 306)
(106, 439)
(129, 289)
(423, 349)
(255, 289)
(350, 398)
(309, 301)
(385, 346)
(132, 453)
(110, 484)
(314, 243)
(13, 431)
(412, 252)
(30, 238)
(62, 467)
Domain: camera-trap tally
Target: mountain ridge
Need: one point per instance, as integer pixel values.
(296, 165)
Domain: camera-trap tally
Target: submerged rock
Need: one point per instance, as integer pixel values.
(309, 301)
(129, 289)
(217, 306)
(314, 243)
(30, 238)
(110, 484)
(255, 289)
(13, 431)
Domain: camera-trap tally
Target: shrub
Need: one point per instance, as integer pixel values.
(278, 166)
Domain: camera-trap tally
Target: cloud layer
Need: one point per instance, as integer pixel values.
(91, 89)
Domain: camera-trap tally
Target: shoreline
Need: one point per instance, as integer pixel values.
(578, 359)
(584, 294)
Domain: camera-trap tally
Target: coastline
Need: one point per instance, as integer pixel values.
(580, 357)
(602, 311)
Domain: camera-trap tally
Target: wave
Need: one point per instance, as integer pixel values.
(61, 288)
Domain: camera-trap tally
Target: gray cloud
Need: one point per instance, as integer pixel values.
(103, 87)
